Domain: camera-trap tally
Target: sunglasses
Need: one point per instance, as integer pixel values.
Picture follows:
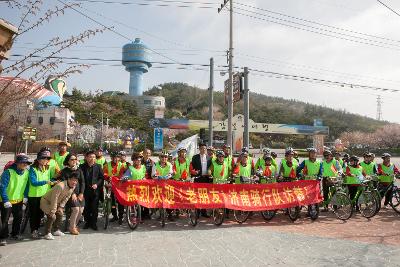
(73, 159)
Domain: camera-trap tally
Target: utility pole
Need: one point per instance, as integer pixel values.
(246, 107)
(230, 87)
(379, 108)
(211, 103)
(101, 134)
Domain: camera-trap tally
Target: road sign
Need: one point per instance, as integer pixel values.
(237, 88)
(158, 139)
(29, 133)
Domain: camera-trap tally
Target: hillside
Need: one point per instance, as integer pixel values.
(191, 102)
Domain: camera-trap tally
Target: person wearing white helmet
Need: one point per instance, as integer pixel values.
(260, 164)
(219, 169)
(230, 161)
(310, 168)
(386, 174)
(243, 168)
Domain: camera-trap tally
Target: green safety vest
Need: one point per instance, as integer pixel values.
(182, 169)
(340, 162)
(289, 172)
(52, 168)
(137, 174)
(228, 161)
(60, 159)
(101, 161)
(387, 170)
(163, 171)
(368, 168)
(329, 169)
(270, 172)
(312, 169)
(39, 191)
(243, 171)
(273, 163)
(220, 172)
(260, 163)
(355, 171)
(110, 169)
(124, 165)
(16, 186)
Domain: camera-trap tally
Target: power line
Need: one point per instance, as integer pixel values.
(388, 7)
(158, 3)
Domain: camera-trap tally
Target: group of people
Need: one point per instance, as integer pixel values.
(54, 184)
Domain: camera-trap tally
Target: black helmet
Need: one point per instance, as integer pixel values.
(22, 158)
(122, 153)
(311, 149)
(273, 154)
(245, 149)
(45, 148)
(354, 158)
(220, 153)
(346, 156)
(114, 154)
(327, 153)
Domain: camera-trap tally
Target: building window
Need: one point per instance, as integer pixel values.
(158, 103)
(40, 120)
(52, 120)
(147, 102)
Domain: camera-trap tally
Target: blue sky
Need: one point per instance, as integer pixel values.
(193, 35)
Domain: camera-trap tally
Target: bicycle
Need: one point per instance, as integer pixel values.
(365, 200)
(134, 216)
(312, 209)
(192, 214)
(267, 214)
(162, 211)
(338, 199)
(106, 207)
(292, 212)
(381, 190)
(241, 216)
(219, 214)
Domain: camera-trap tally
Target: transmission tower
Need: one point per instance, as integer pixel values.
(379, 108)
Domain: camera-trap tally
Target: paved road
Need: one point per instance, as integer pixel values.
(326, 242)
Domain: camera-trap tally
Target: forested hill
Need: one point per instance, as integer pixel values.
(191, 102)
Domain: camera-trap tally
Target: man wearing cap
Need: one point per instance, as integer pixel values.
(310, 168)
(288, 166)
(368, 165)
(386, 174)
(53, 204)
(219, 169)
(181, 166)
(60, 155)
(14, 194)
(100, 159)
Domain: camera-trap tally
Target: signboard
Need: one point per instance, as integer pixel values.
(237, 88)
(158, 139)
(29, 133)
(318, 122)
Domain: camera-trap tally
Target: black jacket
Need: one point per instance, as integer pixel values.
(196, 163)
(93, 175)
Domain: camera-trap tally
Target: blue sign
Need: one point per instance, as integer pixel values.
(318, 122)
(158, 139)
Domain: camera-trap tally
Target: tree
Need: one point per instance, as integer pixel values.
(38, 63)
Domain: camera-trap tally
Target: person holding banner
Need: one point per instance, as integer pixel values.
(114, 168)
(136, 171)
(288, 167)
(243, 167)
(181, 167)
(267, 171)
(219, 169)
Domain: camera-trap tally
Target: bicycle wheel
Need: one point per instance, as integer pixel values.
(106, 212)
(25, 219)
(241, 216)
(133, 215)
(395, 200)
(378, 198)
(218, 216)
(268, 214)
(367, 204)
(342, 206)
(193, 215)
(163, 216)
(294, 213)
(313, 211)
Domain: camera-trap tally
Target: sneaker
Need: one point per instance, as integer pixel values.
(49, 236)
(35, 234)
(94, 227)
(58, 233)
(120, 220)
(3, 242)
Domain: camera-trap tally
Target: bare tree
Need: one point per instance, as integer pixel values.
(42, 61)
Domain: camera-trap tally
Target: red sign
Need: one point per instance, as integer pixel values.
(180, 195)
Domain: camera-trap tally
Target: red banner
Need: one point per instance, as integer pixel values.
(183, 195)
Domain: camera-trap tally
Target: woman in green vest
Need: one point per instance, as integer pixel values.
(243, 168)
(14, 194)
(354, 175)
(268, 170)
(288, 167)
(219, 169)
(60, 155)
(162, 169)
(39, 185)
(310, 168)
(368, 165)
(100, 159)
(387, 172)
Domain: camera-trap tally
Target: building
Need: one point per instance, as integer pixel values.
(7, 32)
(136, 57)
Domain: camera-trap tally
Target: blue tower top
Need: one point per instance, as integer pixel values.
(136, 59)
(136, 55)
